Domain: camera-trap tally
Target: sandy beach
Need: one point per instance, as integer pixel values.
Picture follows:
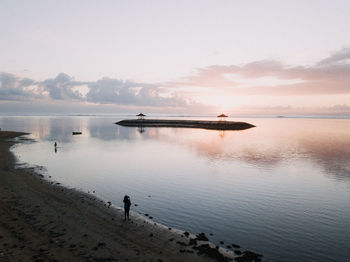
(43, 221)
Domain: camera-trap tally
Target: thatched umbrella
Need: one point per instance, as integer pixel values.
(141, 116)
(222, 117)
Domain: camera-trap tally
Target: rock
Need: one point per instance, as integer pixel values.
(186, 234)
(101, 244)
(238, 252)
(181, 243)
(211, 252)
(249, 256)
(202, 237)
(193, 242)
(236, 246)
(221, 242)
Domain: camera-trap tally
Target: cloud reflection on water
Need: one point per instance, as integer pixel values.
(325, 142)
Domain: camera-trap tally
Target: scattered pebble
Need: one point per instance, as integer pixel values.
(237, 252)
(249, 256)
(236, 246)
(181, 243)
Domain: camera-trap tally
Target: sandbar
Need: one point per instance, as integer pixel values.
(202, 124)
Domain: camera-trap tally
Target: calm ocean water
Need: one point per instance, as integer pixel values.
(281, 189)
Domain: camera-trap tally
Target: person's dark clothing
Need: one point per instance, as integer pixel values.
(127, 204)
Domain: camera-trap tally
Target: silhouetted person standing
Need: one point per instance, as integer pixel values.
(127, 204)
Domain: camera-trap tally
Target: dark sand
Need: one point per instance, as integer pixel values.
(43, 221)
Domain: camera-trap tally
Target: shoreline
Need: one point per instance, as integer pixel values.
(44, 221)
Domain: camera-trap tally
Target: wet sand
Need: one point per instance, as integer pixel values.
(43, 221)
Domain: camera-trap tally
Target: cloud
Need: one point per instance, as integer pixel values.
(268, 77)
(341, 56)
(259, 86)
(104, 91)
(61, 87)
(109, 90)
(13, 88)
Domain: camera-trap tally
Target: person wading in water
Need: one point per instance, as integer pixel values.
(127, 204)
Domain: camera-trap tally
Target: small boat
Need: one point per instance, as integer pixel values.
(76, 133)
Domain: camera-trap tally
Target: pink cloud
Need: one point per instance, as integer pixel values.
(329, 76)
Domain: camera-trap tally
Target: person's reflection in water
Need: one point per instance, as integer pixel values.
(127, 204)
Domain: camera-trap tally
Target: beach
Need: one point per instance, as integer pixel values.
(43, 221)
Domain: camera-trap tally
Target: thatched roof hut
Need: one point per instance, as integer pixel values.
(222, 117)
(140, 116)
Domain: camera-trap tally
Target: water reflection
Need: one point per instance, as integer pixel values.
(325, 142)
(141, 129)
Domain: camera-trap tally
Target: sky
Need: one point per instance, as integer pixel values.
(189, 57)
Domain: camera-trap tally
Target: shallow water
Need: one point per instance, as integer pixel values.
(281, 189)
